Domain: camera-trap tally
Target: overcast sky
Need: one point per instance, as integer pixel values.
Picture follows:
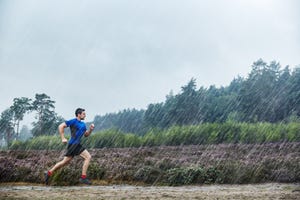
(108, 55)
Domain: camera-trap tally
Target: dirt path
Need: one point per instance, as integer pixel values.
(259, 191)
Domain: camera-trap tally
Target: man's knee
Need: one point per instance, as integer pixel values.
(86, 155)
(89, 157)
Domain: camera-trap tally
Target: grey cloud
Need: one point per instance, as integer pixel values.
(121, 54)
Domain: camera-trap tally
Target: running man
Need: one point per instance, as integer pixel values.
(78, 129)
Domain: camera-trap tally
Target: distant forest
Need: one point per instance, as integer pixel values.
(268, 94)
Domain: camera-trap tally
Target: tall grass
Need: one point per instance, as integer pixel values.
(209, 133)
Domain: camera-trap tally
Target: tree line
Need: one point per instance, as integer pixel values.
(47, 118)
(268, 94)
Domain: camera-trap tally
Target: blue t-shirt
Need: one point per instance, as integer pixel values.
(77, 128)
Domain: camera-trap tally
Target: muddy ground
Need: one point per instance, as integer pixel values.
(253, 192)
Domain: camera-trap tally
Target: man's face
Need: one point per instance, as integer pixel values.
(82, 115)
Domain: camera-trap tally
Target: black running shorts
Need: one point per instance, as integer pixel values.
(74, 150)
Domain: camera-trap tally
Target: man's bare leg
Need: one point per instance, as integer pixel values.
(87, 158)
(60, 164)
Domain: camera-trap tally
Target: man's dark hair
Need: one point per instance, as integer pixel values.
(79, 111)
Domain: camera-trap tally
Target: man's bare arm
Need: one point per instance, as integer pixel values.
(61, 130)
(88, 132)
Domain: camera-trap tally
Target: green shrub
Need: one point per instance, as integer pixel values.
(190, 175)
(107, 138)
(18, 145)
(132, 140)
(228, 172)
(212, 175)
(154, 138)
(174, 177)
(148, 174)
(293, 132)
(95, 171)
